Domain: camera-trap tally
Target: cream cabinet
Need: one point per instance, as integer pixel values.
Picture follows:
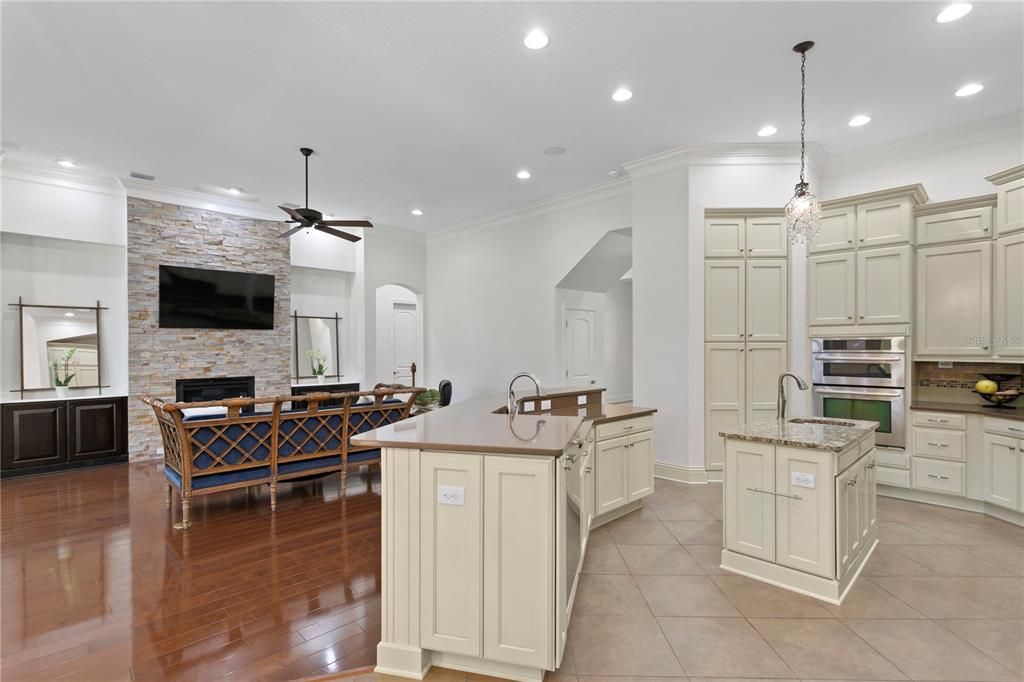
(1003, 470)
(766, 237)
(954, 287)
(804, 534)
(831, 289)
(763, 363)
(838, 230)
(749, 498)
(725, 237)
(746, 299)
(884, 285)
(639, 466)
(738, 236)
(1008, 299)
(954, 221)
(1009, 199)
(610, 483)
(623, 463)
(885, 222)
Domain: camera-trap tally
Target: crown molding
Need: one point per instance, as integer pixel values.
(670, 159)
(1008, 175)
(561, 202)
(82, 181)
(956, 205)
(756, 154)
(149, 191)
(915, 193)
(398, 233)
(744, 212)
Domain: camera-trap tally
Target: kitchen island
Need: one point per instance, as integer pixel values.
(485, 521)
(799, 503)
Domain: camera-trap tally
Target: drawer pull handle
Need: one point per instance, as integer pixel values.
(938, 421)
(1011, 428)
(768, 492)
(588, 470)
(939, 445)
(627, 428)
(939, 476)
(852, 482)
(869, 466)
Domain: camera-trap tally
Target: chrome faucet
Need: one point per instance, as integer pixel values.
(780, 402)
(513, 406)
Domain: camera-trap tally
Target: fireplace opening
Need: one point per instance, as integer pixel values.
(215, 388)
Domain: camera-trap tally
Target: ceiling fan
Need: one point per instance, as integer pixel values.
(308, 217)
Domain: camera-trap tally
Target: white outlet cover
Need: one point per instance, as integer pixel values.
(802, 480)
(451, 494)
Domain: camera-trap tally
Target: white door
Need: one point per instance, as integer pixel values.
(724, 300)
(580, 347)
(723, 397)
(1002, 471)
(405, 340)
(838, 229)
(884, 281)
(1008, 315)
(954, 287)
(831, 288)
(767, 285)
(749, 498)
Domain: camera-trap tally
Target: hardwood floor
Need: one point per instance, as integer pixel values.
(96, 585)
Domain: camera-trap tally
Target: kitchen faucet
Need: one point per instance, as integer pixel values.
(780, 402)
(513, 406)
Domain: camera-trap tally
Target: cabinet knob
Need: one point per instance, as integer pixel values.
(849, 241)
(862, 238)
(862, 317)
(849, 317)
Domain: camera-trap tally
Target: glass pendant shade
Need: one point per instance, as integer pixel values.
(803, 215)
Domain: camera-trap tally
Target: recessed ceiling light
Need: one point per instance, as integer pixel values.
(416, 211)
(523, 174)
(536, 39)
(958, 10)
(66, 163)
(767, 131)
(235, 191)
(622, 95)
(859, 120)
(69, 314)
(554, 151)
(970, 89)
(615, 173)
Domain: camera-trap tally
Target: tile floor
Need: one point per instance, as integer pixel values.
(942, 598)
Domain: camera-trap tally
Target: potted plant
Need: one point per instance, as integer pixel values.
(428, 399)
(62, 374)
(318, 364)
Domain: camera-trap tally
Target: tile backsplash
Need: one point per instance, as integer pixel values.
(962, 374)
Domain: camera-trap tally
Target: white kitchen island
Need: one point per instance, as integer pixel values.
(799, 503)
(485, 521)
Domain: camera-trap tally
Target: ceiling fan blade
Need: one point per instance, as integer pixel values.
(347, 223)
(290, 232)
(338, 233)
(293, 213)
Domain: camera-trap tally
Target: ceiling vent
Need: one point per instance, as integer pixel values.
(141, 176)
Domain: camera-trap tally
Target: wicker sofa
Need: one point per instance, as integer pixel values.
(256, 441)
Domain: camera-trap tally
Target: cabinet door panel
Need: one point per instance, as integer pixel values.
(954, 226)
(451, 557)
(96, 428)
(640, 466)
(519, 593)
(804, 532)
(1008, 316)
(1010, 207)
(1002, 471)
(750, 515)
(838, 230)
(831, 289)
(33, 434)
(953, 300)
(848, 516)
(766, 237)
(765, 362)
(767, 301)
(871, 485)
(724, 386)
(890, 221)
(884, 282)
(724, 237)
(724, 295)
(610, 484)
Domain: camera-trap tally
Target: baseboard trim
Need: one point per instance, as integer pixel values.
(950, 502)
(684, 474)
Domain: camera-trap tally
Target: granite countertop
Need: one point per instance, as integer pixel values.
(816, 436)
(969, 408)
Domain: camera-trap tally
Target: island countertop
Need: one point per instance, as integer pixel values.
(815, 433)
(480, 425)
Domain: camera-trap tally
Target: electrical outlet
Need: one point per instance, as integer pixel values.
(802, 480)
(451, 494)
(945, 365)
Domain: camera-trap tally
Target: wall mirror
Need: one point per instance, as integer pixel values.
(317, 347)
(60, 347)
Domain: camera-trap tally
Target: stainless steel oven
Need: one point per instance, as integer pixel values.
(862, 378)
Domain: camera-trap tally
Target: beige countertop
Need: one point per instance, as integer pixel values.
(475, 425)
(969, 408)
(816, 436)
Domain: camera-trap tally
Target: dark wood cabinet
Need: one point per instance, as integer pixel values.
(56, 434)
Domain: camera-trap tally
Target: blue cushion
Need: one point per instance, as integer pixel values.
(212, 480)
(298, 429)
(220, 444)
(363, 456)
(307, 464)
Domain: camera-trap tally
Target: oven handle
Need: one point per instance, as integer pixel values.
(878, 394)
(859, 358)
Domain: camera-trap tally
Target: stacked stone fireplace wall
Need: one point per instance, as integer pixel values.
(167, 234)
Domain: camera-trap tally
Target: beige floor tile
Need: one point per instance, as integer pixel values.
(713, 507)
(742, 679)
(604, 559)
(867, 600)
(609, 595)
(890, 533)
(659, 560)
(759, 600)
(959, 533)
(926, 651)
(949, 560)
(1002, 640)
(639, 532)
(620, 645)
(1008, 593)
(939, 597)
(824, 648)
(696, 532)
(678, 510)
(709, 491)
(887, 561)
(591, 678)
(566, 672)
(685, 595)
(1010, 557)
(708, 556)
(722, 647)
(599, 537)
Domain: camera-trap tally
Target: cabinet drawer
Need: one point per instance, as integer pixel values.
(897, 477)
(938, 476)
(940, 420)
(937, 443)
(624, 427)
(1004, 427)
(891, 457)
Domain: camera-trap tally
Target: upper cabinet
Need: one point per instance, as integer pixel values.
(1008, 301)
(873, 286)
(885, 222)
(746, 300)
(745, 233)
(1009, 199)
(954, 290)
(838, 230)
(955, 221)
(882, 218)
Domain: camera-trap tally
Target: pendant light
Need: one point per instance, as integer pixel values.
(803, 212)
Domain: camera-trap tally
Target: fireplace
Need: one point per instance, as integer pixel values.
(215, 388)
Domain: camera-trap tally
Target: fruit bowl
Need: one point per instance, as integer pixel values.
(1002, 397)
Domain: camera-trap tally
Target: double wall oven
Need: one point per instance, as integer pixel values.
(862, 378)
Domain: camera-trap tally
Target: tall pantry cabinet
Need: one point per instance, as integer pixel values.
(746, 319)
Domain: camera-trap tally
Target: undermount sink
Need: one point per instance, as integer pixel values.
(819, 420)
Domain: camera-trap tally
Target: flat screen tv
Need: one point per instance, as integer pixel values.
(192, 298)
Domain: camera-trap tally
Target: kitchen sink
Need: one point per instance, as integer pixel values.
(820, 420)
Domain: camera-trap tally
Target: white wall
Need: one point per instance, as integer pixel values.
(317, 292)
(617, 347)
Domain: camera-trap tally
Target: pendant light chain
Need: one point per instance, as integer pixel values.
(307, 178)
(803, 212)
(803, 114)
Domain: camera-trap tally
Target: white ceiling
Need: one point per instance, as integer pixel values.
(437, 105)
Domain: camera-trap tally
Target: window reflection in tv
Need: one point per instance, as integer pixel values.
(194, 298)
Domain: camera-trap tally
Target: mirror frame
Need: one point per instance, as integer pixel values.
(298, 375)
(21, 305)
